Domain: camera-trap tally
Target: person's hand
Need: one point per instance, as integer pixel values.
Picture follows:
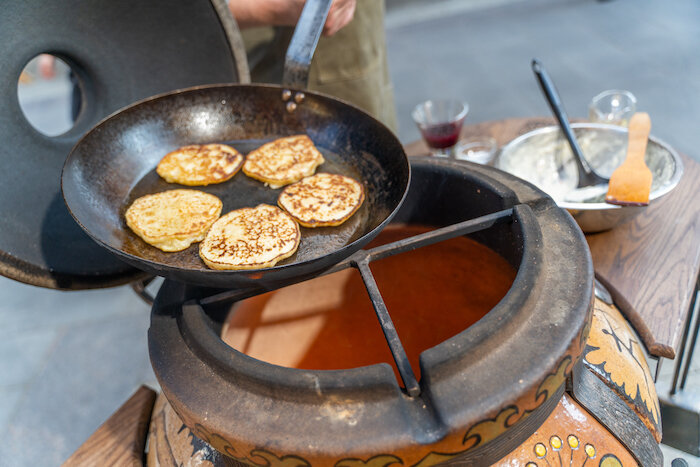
(252, 13)
(340, 14)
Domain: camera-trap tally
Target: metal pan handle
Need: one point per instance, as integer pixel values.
(303, 44)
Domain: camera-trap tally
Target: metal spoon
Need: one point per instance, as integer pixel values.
(586, 175)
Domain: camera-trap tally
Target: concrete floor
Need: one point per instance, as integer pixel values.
(68, 360)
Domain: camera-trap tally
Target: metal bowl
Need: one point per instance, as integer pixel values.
(543, 158)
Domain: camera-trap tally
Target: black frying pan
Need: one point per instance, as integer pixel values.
(114, 163)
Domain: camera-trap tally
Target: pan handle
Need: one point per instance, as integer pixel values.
(303, 44)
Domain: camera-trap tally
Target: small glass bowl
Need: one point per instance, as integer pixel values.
(614, 107)
(479, 149)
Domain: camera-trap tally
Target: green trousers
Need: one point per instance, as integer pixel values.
(350, 65)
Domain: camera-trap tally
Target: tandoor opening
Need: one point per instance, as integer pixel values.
(328, 323)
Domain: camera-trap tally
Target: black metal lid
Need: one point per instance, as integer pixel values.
(121, 52)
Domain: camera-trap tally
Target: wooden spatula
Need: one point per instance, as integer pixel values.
(630, 183)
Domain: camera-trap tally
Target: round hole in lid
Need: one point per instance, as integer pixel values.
(49, 94)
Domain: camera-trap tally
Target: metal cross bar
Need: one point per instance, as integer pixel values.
(234, 295)
(392, 337)
(439, 235)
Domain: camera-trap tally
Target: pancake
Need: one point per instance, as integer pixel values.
(174, 219)
(200, 165)
(250, 238)
(323, 200)
(283, 161)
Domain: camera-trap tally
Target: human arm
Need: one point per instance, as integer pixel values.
(253, 13)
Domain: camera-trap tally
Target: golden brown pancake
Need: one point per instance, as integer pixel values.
(174, 219)
(322, 200)
(250, 238)
(283, 161)
(200, 165)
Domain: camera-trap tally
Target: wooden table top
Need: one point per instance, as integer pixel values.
(650, 263)
(121, 439)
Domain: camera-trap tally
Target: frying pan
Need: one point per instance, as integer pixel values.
(114, 163)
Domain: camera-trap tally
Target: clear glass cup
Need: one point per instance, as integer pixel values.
(615, 107)
(479, 149)
(440, 122)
